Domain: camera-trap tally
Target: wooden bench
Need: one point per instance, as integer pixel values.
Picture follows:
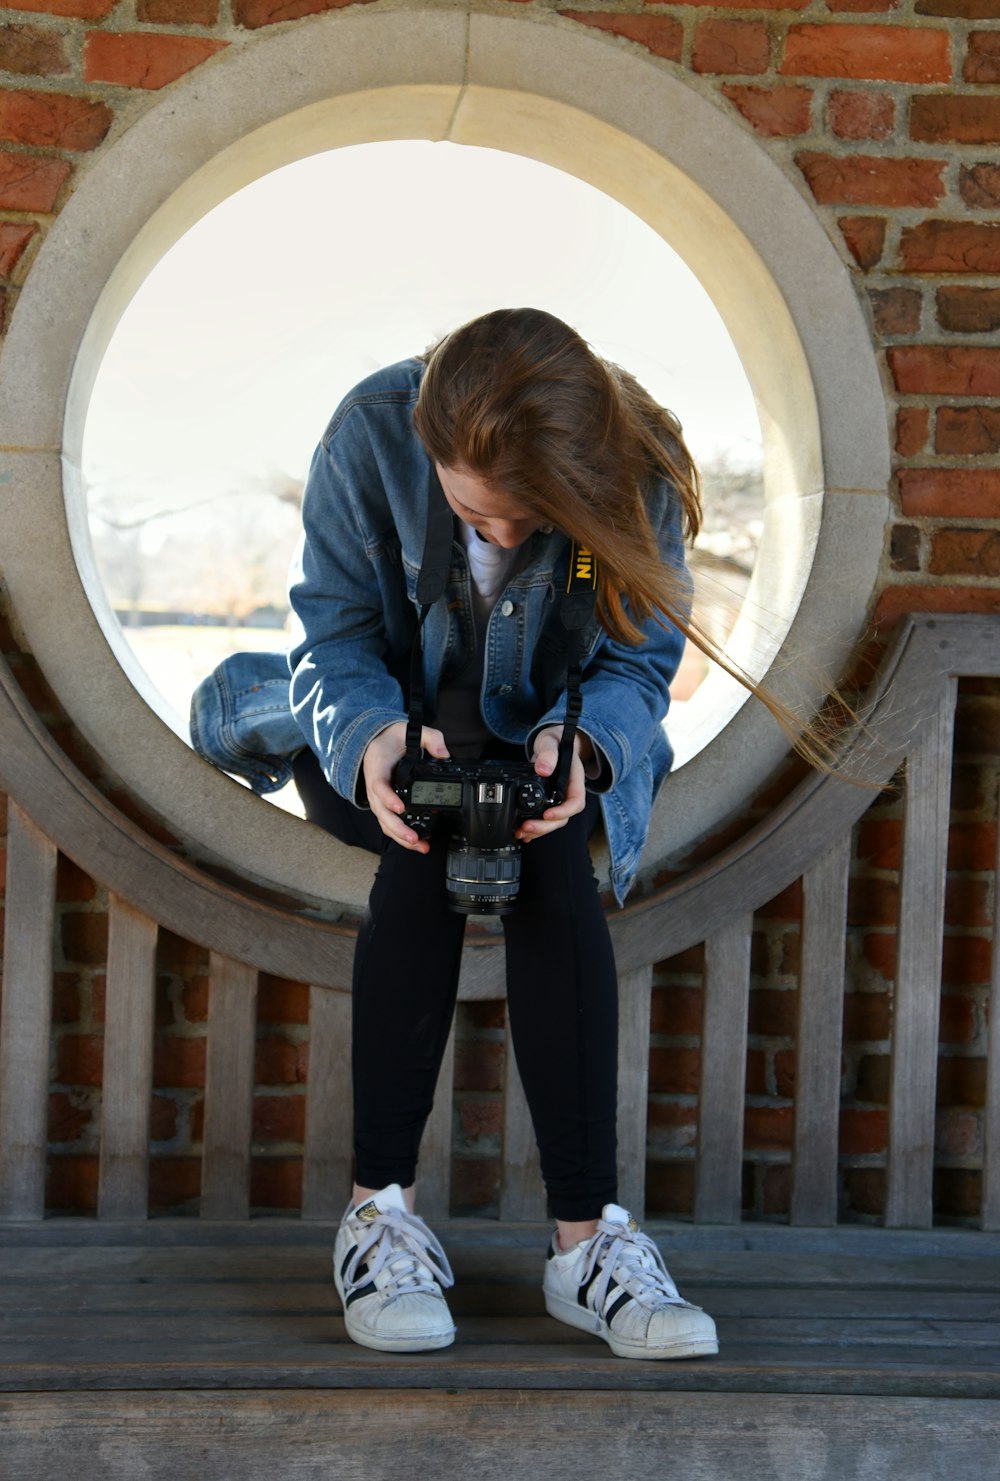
(878, 1347)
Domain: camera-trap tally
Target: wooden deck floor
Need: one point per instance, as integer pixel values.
(159, 1342)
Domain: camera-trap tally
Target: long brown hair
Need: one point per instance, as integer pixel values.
(520, 400)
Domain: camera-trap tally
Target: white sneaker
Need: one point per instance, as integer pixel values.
(389, 1270)
(617, 1286)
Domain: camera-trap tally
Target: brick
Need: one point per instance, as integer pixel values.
(774, 112)
(787, 906)
(475, 1183)
(982, 61)
(897, 310)
(776, 1190)
(869, 180)
(965, 553)
(85, 938)
(966, 961)
(873, 902)
(178, 12)
(163, 1119)
(958, 1191)
(879, 951)
(967, 903)
(479, 1065)
(957, 1019)
(968, 310)
(52, 120)
(179, 1063)
(480, 1120)
(867, 1016)
(279, 1118)
(278, 1062)
(71, 882)
(672, 1127)
(897, 601)
(860, 7)
(961, 1081)
(173, 1182)
(143, 59)
(861, 115)
(174, 954)
(677, 1010)
(768, 1127)
(956, 1134)
(972, 846)
(873, 1080)
(977, 728)
(194, 1000)
(29, 183)
(904, 540)
(14, 238)
(276, 1182)
(66, 997)
(756, 1072)
(946, 370)
(71, 1185)
(880, 842)
(873, 53)
(951, 247)
(69, 1116)
(733, 47)
(254, 13)
(80, 1059)
(675, 1071)
(913, 425)
(957, 118)
(952, 492)
(865, 237)
(965, 10)
(968, 430)
(82, 10)
(32, 51)
(865, 1190)
(737, 4)
(863, 1133)
(660, 34)
(979, 186)
(279, 1001)
(773, 1013)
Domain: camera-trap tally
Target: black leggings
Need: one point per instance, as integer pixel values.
(561, 1000)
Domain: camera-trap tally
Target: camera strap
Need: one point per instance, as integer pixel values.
(576, 609)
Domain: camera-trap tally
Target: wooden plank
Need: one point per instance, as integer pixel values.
(302, 1437)
(819, 1037)
(434, 1175)
(229, 1070)
(25, 1017)
(329, 1156)
(123, 1177)
(718, 1184)
(522, 1195)
(916, 1007)
(634, 1002)
(990, 1213)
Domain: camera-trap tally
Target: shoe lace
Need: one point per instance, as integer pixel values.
(401, 1245)
(630, 1259)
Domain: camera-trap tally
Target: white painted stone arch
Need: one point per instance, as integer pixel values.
(546, 88)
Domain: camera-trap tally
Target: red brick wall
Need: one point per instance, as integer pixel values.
(886, 114)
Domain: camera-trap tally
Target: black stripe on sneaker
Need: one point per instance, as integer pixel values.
(623, 1300)
(347, 1260)
(356, 1295)
(581, 1295)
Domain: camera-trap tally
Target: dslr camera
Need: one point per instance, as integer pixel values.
(485, 801)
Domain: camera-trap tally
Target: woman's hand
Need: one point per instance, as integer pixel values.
(545, 757)
(378, 766)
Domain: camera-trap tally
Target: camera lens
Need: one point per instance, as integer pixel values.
(482, 881)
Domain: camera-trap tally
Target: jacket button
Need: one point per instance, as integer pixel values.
(506, 608)
(506, 689)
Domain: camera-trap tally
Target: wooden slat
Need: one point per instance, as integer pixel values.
(819, 1038)
(916, 1010)
(25, 1022)
(123, 1179)
(990, 1215)
(232, 1022)
(723, 1074)
(522, 1195)
(327, 1175)
(634, 994)
(434, 1174)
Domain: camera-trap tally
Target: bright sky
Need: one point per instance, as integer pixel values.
(235, 351)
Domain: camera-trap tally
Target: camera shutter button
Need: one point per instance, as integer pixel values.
(507, 609)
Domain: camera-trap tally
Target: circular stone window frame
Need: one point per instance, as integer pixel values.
(538, 86)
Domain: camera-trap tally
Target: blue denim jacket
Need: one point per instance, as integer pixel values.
(364, 517)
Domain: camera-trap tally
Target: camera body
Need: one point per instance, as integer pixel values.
(485, 801)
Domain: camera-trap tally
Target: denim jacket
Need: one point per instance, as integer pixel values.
(364, 518)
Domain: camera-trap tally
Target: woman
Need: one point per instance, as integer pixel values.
(531, 441)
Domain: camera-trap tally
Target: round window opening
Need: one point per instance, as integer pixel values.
(225, 366)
